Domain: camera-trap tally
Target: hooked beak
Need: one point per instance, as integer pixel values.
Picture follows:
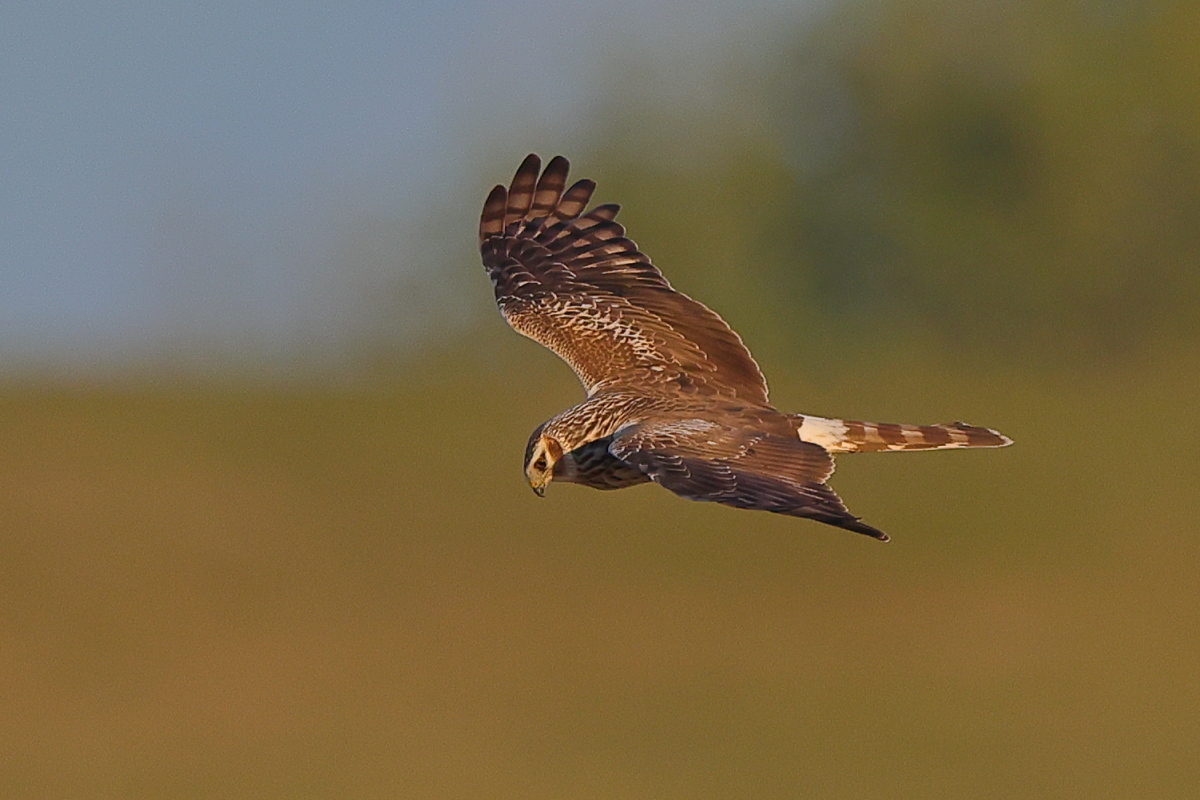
(540, 491)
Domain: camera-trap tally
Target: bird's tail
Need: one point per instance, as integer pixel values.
(852, 436)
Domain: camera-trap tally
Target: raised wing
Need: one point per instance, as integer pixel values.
(705, 460)
(574, 283)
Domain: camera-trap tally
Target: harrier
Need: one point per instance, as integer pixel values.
(673, 395)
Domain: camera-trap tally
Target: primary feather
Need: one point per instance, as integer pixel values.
(673, 395)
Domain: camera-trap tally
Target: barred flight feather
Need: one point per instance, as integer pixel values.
(673, 395)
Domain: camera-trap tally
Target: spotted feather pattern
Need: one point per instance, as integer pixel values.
(673, 395)
(576, 284)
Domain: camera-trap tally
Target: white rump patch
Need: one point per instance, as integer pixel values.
(829, 433)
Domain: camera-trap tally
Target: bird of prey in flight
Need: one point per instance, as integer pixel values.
(673, 395)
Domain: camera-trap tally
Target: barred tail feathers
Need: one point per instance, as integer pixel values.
(853, 436)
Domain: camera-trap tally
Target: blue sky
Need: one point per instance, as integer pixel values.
(186, 176)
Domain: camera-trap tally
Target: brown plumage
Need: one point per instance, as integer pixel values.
(673, 395)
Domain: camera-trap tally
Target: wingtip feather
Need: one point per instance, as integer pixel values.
(550, 187)
(491, 221)
(858, 526)
(575, 199)
(531, 165)
(520, 193)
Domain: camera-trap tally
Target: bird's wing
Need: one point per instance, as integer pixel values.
(574, 283)
(705, 460)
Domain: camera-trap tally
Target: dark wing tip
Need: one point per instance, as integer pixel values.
(491, 222)
(607, 212)
(858, 526)
(531, 163)
(575, 199)
(520, 192)
(549, 187)
(533, 193)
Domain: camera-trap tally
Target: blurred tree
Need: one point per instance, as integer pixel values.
(1028, 172)
(1019, 175)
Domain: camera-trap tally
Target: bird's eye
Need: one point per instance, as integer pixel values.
(540, 464)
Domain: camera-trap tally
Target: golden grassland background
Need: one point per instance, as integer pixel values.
(340, 585)
(220, 592)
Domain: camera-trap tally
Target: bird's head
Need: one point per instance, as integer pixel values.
(541, 454)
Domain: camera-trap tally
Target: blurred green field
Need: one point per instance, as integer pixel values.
(214, 591)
